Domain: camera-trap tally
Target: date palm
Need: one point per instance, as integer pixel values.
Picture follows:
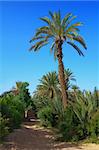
(57, 31)
(86, 109)
(49, 85)
(68, 78)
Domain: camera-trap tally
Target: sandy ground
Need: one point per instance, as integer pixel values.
(33, 137)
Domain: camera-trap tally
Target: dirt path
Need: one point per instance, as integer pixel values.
(32, 137)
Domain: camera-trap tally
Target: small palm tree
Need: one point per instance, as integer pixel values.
(59, 31)
(68, 78)
(49, 85)
(75, 88)
(86, 109)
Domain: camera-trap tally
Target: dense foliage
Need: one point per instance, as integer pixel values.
(80, 120)
(12, 107)
(3, 127)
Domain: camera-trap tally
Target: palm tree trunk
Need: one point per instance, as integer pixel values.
(62, 76)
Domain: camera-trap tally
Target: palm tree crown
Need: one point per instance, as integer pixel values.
(68, 77)
(58, 30)
(49, 85)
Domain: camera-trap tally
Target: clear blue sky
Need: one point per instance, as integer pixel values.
(18, 21)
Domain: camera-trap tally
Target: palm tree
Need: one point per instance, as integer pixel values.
(86, 109)
(49, 85)
(75, 88)
(68, 78)
(59, 31)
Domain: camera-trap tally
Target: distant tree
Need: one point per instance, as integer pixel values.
(49, 85)
(75, 88)
(23, 92)
(68, 78)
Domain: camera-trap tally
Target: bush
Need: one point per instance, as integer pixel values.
(67, 130)
(3, 127)
(46, 116)
(12, 108)
(39, 102)
(81, 118)
(15, 119)
(51, 113)
(93, 125)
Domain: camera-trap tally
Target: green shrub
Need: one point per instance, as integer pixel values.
(15, 119)
(40, 102)
(86, 109)
(12, 108)
(67, 126)
(46, 116)
(3, 127)
(51, 113)
(93, 125)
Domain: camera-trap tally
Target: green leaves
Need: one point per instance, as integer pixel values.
(49, 85)
(77, 49)
(58, 28)
(65, 19)
(73, 27)
(39, 44)
(52, 47)
(80, 40)
(46, 20)
(68, 77)
(56, 18)
(86, 110)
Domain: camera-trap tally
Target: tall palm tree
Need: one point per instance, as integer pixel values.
(59, 31)
(49, 85)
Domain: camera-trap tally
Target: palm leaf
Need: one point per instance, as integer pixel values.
(80, 40)
(46, 19)
(52, 16)
(36, 38)
(38, 45)
(40, 32)
(70, 20)
(74, 46)
(73, 27)
(52, 46)
(65, 19)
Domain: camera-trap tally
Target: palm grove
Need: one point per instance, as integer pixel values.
(57, 102)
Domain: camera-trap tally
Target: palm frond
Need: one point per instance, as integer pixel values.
(38, 45)
(70, 20)
(56, 17)
(46, 20)
(39, 32)
(52, 15)
(52, 47)
(37, 38)
(80, 40)
(65, 19)
(77, 49)
(74, 27)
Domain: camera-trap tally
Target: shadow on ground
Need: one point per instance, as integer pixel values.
(30, 137)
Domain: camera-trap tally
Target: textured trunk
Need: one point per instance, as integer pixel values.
(62, 76)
